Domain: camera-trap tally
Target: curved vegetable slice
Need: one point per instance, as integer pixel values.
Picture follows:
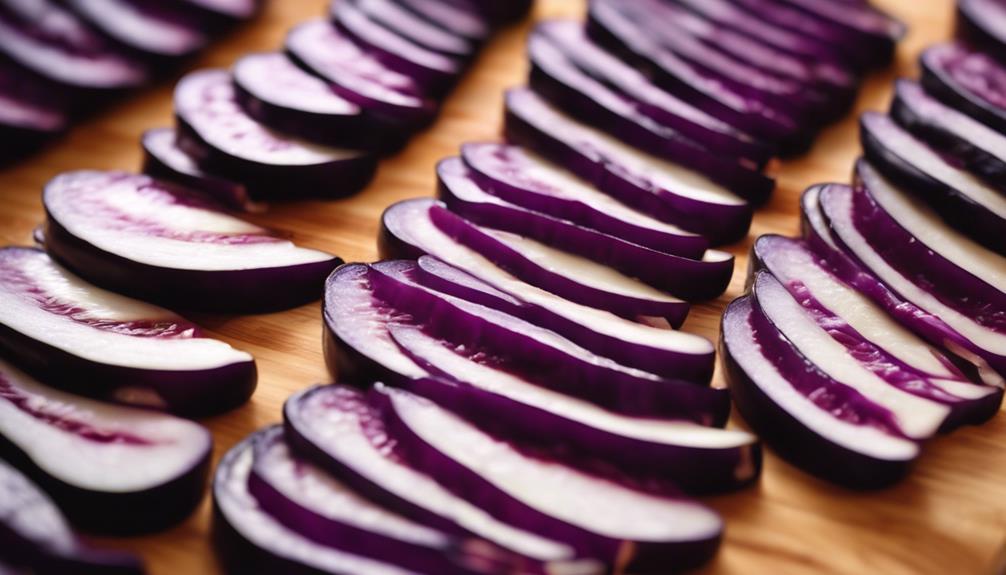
(523, 178)
(681, 275)
(692, 457)
(249, 540)
(110, 468)
(29, 114)
(105, 345)
(214, 130)
(872, 337)
(432, 70)
(54, 44)
(965, 334)
(151, 28)
(557, 78)
(337, 429)
(317, 505)
(399, 19)
(164, 160)
(36, 536)
(457, 17)
(653, 101)
(167, 244)
(358, 76)
(972, 82)
(982, 23)
(963, 139)
(802, 414)
(667, 191)
(598, 518)
(964, 201)
(279, 94)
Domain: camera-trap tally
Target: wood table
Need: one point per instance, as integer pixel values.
(948, 517)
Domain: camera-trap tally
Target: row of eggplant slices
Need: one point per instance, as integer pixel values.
(121, 461)
(61, 60)
(882, 325)
(513, 394)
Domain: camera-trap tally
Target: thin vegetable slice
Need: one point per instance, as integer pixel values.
(456, 16)
(972, 82)
(164, 160)
(982, 23)
(414, 27)
(30, 115)
(153, 29)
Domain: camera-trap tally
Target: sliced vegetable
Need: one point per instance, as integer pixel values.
(214, 130)
(668, 192)
(600, 519)
(961, 199)
(455, 16)
(962, 140)
(681, 275)
(151, 28)
(417, 29)
(972, 82)
(680, 453)
(36, 536)
(164, 160)
(97, 343)
(337, 429)
(812, 421)
(109, 468)
(249, 540)
(166, 244)
(982, 23)
(29, 114)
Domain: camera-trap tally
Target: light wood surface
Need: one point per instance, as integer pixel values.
(948, 517)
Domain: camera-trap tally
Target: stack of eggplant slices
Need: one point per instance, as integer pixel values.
(97, 380)
(513, 393)
(883, 325)
(61, 60)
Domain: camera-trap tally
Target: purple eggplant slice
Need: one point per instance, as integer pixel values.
(982, 23)
(320, 507)
(872, 337)
(399, 19)
(334, 427)
(148, 27)
(30, 115)
(960, 138)
(555, 77)
(684, 276)
(110, 468)
(214, 130)
(250, 540)
(683, 454)
(35, 535)
(615, 524)
(54, 44)
(166, 244)
(961, 199)
(972, 82)
(853, 219)
(432, 70)
(523, 178)
(457, 17)
(97, 343)
(652, 101)
(803, 415)
(358, 76)
(164, 160)
(668, 192)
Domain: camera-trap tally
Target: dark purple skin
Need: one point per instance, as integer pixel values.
(555, 77)
(721, 224)
(139, 41)
(682, 275)
(430, 35)
(833, 200)
(779, 429)
(498, 169)
(609, 27)
(934, 122)
(331, 179)
(457, 17)
(769, 253)
(34, 115)
(970, 81)
(49, 547)
(642, 557)
(165, 161)
(436, 275)
(397, 241)
(977, 22)
(651, 100)
(251, 290)
(962, 212)
(216, 15)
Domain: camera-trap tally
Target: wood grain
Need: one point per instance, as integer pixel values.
(949, 517)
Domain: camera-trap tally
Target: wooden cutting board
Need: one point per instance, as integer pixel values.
(949, 517)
